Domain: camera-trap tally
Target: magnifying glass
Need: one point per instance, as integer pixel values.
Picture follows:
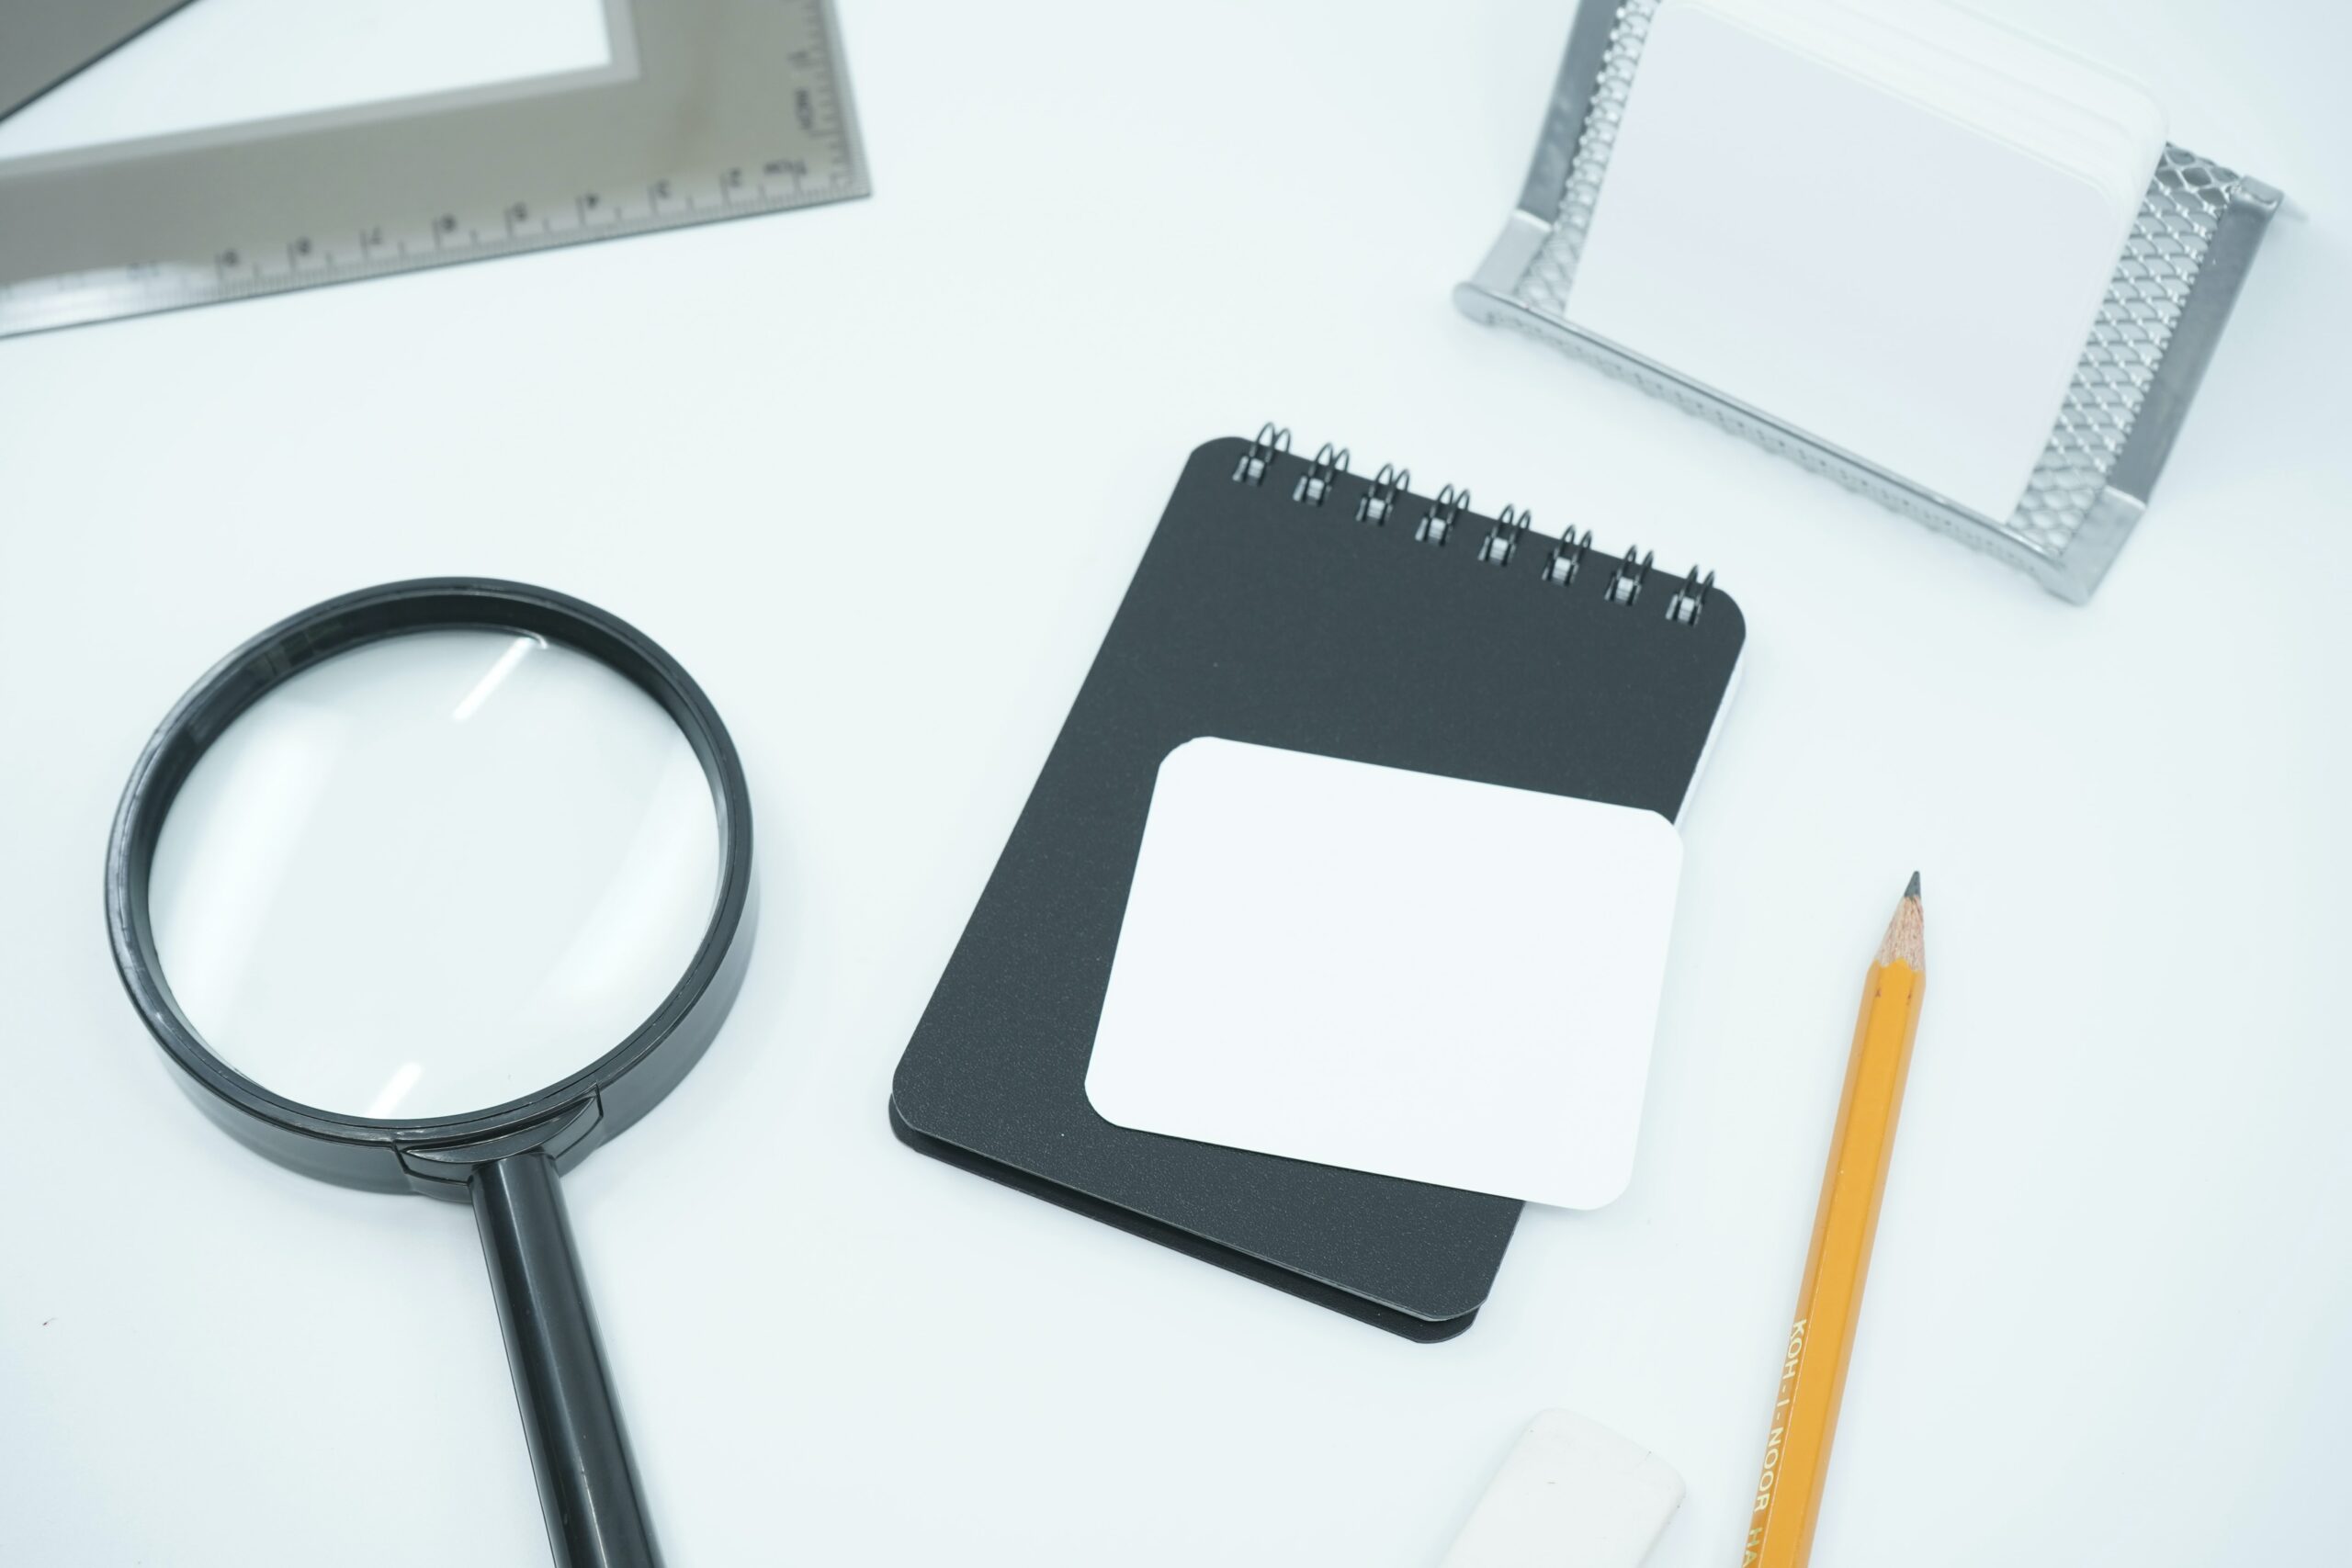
(433, 887)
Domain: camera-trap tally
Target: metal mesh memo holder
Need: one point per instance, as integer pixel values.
(2195, 236)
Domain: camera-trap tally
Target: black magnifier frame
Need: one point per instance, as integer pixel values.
(505, 1159)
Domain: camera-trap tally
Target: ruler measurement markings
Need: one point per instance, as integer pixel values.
(814, 109)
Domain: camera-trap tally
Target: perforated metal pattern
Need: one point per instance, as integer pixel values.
(1544, 286)
(2161, 260)
(2178, 217)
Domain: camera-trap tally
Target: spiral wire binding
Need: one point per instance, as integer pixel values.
(1626, 583)
(1386, 485)
(1269, 441)
(1691, 598)
(1330, 463)
(1560, 567)
(1438, 521)
(1502, 539)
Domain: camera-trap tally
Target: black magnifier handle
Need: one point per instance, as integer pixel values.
(596, 1513)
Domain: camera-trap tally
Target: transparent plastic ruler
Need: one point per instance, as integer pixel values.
(707, 109)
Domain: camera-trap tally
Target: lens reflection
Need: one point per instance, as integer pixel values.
(433, 874)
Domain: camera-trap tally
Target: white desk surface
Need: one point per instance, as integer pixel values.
(876, 474)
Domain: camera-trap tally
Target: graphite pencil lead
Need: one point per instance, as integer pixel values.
(1913, 891)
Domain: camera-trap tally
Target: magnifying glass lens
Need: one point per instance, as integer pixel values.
(435, 873)
(421, 905)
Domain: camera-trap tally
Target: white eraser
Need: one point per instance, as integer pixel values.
(1572, 1494)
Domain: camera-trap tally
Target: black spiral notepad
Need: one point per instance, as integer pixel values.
(1285, 601)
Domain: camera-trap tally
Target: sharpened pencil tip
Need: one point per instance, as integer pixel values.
(1906, 933)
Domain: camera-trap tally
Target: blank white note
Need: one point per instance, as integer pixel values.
(1426, 977)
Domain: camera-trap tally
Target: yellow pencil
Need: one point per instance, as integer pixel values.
(1829, 1303)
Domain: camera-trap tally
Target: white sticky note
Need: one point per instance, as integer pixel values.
(1427, 978)
(1900, 255)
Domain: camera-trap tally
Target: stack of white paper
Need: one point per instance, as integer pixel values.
(1888, 226)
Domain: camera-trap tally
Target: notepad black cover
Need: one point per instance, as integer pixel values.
(1257, 618)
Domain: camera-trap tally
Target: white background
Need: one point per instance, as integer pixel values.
(876, 474)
